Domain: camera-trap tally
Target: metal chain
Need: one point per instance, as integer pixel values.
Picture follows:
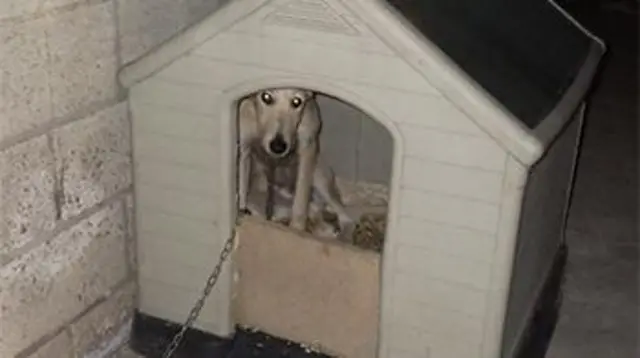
(195, 311)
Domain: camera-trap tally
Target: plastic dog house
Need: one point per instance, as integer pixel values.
(485, 106)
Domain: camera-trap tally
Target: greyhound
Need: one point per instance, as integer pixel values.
(279, 128)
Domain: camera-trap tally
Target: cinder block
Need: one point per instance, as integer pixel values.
(103, 322)
(24, 83)
(26, 193)
(49, 4)
(11, 8)
(14, 8)
(199, 9)
(93, 159)
(59, 347)
(82, 46)
(146, 23)
(50, 285)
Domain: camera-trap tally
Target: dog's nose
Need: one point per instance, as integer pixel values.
(278, 145)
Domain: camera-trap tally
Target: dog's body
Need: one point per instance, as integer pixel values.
(279, 137)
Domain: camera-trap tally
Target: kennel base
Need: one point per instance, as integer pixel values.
(150, 335)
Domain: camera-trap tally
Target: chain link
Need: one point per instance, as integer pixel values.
(195, 311)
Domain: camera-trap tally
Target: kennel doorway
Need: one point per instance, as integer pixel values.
(366, 182)
(313, 289)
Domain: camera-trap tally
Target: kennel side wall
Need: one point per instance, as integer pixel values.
(357, 147)
(541, 229)
(446, 190)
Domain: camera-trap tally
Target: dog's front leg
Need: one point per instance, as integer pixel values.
(307, 158)
(244, 178)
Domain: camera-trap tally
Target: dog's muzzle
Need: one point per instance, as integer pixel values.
(278, 146)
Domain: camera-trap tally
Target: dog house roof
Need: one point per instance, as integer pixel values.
(520, 65)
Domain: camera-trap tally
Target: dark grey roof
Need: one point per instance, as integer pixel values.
(524, 53)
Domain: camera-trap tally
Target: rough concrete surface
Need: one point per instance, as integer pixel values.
(102, 323)
(93, 159)
(56, 281)
(59, 346)
(599, 317)
(144, 24)
(82, 58)
(27, 207)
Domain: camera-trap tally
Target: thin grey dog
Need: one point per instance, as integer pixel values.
(279, 128)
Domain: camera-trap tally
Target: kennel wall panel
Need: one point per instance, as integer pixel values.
(449, 209)
(453, 148)
(174, 227)
(356, 146)
(427, 123)
(444, 325)
(542, 229)
(433, 176)
(179, 95)
(426, 111)
(170, 150)
(408, 341)
(176, 202)
(438, 293)
(351, 161)
(171, 303)
(446, 239)
(191, 179)
(203, 75)
(160, 119)
(430, 111)
(314, 21)
(374, 150)
(338, 64)
(160, 263)
(340, 136)
(176, 168)
(447, 268)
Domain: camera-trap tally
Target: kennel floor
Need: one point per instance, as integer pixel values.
(246, 344)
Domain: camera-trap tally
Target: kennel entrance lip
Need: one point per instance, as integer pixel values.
(465, 166)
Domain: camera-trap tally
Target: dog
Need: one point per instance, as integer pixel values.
(278, 135)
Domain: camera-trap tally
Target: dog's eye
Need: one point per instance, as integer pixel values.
(266, 97)
(296, 102)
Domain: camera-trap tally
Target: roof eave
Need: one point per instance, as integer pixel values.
(558, 119)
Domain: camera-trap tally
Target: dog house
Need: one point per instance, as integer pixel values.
(485, 104)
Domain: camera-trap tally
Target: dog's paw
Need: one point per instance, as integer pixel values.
(345, 231)
(298, 224)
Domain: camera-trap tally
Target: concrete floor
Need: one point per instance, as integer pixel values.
(599, 318)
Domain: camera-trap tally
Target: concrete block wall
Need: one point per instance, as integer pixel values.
(67, 256)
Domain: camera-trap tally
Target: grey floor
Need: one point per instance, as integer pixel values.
(600, 315)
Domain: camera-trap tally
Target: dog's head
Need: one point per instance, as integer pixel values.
(279, 112)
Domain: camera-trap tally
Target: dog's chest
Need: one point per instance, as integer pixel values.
(284, 169)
